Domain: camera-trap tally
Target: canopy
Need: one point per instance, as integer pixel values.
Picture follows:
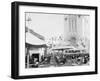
(63, 47)
(33, 40)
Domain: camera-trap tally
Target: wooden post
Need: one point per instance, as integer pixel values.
(27, 57)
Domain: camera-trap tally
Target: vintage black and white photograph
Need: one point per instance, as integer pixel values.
(51, 40)
(56, 40)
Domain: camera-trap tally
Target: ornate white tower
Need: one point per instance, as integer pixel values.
(76, 27)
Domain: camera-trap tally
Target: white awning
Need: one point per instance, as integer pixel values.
(32, 39)
(63, 47)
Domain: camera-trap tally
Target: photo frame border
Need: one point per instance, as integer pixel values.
(15, 39)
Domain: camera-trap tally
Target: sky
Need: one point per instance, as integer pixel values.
(50, 25)
(46, 24)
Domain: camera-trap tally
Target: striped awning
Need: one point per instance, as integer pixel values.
(32, 40)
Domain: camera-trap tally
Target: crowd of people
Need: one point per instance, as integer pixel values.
(61, 60)
(73, 59)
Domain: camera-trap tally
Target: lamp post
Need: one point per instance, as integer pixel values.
(28, 20)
